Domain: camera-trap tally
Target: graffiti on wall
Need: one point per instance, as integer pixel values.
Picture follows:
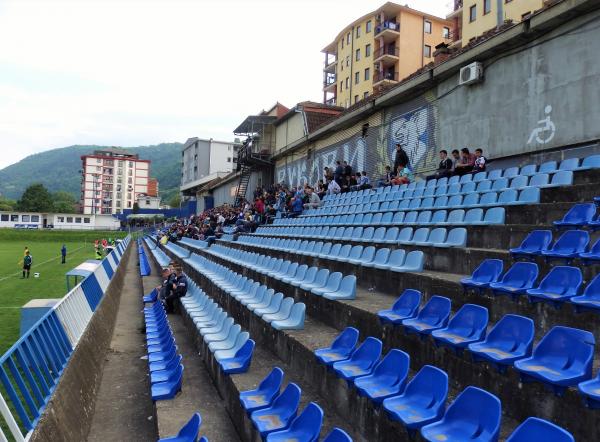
(413, 125)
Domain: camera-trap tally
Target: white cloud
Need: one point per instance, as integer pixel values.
(132, 72)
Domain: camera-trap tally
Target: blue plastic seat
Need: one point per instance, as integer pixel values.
(457, 237)
(366, 256)
(189, 432)
(423, 400)
(517, 280)
(535, 429)
(387, 379)
(533, 245)
(509, 340)
(563, 358)
(439, 217)
(569, 164)
(590, 300)
(413, 263)
(494, 174)
(437, 235)
(405, 235)
(345, 290)
(239, 362)
(381, 258)
(263, 395)
(391, 235)
(168, 389)
(561, 178)
(473, 216)
(479, 176)
(568, 246)
(560, 284)
(337, 435)
(295, 320)
(529, 169)
(319, 281)
(434, 315)
(487, 272)
(354, 254)
(548, 167)
(305, 427)
(473, 416)
(406, 306)
(456, 216)
(539, 180)
(340, 349)
(361, 362)
(591, 162)
(331, 285)
(280, 414)
(519, 182)
(578, 216)
(590, 390)
(468, 325)
(472, 200)
(501, 183)
(484, 186)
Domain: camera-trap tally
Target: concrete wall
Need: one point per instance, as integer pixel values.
(225, 193)
(289, 131)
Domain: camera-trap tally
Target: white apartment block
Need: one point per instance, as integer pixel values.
(112, 180)
(202, 160)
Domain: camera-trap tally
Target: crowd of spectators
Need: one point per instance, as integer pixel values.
(280, 200)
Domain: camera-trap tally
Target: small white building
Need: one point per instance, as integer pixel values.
(148, 202)
(65, 221)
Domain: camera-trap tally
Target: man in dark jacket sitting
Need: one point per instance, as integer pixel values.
(445, 167)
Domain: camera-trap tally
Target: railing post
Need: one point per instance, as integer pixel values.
(10, 421)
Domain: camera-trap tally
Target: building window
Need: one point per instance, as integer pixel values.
(25, 218)
(69, 219)
(229, 159)
(131, 164)
(129, 204)
(86, 220)
(368, 26)
(98, 168)
(347, 82)
(358, 31)
(367, 74)
(98, 160)
(487, 6)
(341, 86)
(367, 50)
(473, 13)
(35, 218)
(4, 217)
(78, 220)
(61, 219)
(355, 99)
(129, 180)
(365, 95)
(427, 27)
(147, 202)
(348, 38)
(358, 55)
(14, 218)
(356, 77)
(348, 61)
(427, 51)
(445, 32)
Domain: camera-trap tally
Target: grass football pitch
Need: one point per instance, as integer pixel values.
(44, 247)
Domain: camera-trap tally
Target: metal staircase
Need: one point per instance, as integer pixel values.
(248, 161)
(240, 193)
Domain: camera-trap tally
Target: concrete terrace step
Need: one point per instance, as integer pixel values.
(567, 411)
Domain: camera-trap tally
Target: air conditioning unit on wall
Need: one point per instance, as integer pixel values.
(471, 73)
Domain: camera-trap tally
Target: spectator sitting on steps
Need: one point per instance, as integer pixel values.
(467, 162)
(313, 199)
(445, 167)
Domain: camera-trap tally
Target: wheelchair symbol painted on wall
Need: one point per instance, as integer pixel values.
(544, 133)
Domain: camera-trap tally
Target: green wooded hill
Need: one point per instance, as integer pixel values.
(58, 169)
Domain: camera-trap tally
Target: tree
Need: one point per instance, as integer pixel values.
(175, 201)
(7, 205)
(36, 198)
(64, 202)
(136, 208)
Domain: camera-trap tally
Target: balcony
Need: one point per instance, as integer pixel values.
(330, 82)
(458, 9)
(330, 66)
(330, 102)
(386, 55)
(388, 31)
(383, 78)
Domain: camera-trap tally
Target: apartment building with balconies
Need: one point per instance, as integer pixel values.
(111, 181)
(378, 50)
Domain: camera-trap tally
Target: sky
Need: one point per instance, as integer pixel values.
(140, 72)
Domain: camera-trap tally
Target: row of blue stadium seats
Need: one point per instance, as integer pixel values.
(496, 215)
(510, 197)
(274, 412)
(580, 215)
(164, 365)
(195, 243)
(382, 259)
(419, 404)
(281, 313)
(548, 167)
(500, 185)
(145, 269)
(161, 257)
(321, 282)
(561, 284)
(569, 246)
(423, 236)
(231, 347)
